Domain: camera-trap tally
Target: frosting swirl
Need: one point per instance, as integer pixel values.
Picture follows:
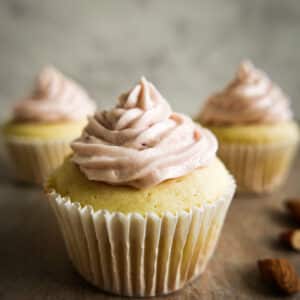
(55, 98)
(141, 142)
(250, 98)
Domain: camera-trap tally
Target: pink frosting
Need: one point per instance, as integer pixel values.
(250, 98)
(55, 98)
(141, 142)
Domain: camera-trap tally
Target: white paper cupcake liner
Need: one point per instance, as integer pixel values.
(31, 160)
(258, 168)
(136, 255)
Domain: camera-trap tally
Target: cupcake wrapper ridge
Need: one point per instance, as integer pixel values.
(137, 255)
(32, 161)
(258, 168)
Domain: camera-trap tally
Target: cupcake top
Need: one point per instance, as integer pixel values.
(251, 98)
(54, 99)
(141, 142)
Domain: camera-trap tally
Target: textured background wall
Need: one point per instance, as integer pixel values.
(187, 48)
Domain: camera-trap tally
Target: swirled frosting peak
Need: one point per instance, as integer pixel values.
(141, 142)
(55, 98)
(251, 98)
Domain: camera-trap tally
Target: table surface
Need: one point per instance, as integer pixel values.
(188, 51)
(34, 263)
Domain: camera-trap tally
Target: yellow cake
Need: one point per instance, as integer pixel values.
(258, 134)
(67, 130)
(195, 189)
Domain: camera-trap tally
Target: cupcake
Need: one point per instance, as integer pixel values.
(42, 125)
(253, 122)
(142, 200)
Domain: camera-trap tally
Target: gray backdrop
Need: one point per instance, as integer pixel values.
(187, 48)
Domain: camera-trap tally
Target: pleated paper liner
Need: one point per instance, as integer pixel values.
(136, 255)
(258, 168)
(32, 161)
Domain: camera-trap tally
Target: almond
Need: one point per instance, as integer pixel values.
(293, 206)
(291, 238)
(280, 273)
